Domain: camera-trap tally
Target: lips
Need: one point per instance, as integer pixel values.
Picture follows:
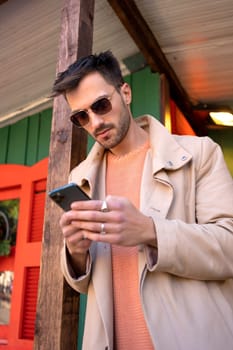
(102, 133)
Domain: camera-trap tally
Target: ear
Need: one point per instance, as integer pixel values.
(126, 93)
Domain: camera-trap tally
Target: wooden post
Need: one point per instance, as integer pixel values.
(57, 308)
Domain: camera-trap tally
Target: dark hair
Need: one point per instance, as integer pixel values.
(104, 63)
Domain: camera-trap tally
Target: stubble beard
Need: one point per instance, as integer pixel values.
(120, 130)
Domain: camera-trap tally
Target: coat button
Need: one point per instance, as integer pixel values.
(183, 158)
(169, 164)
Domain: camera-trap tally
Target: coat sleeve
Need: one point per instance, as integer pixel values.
(202, 250)
(80, 284)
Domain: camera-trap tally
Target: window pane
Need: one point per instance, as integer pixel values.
(9, 210)
(6, 282)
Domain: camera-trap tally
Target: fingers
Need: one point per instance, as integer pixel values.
(74, 237)
(93, 205)
(91, 215)
(77, 243)
(110, 203)
(96, 220)
(84, 218)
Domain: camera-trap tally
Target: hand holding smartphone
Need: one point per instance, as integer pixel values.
(64, 196)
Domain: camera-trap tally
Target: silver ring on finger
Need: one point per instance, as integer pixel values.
(104, 206)
(102, 230)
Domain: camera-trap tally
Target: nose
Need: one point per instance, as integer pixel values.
(95, 120)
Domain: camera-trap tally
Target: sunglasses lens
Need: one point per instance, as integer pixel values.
(80, 118)
(101, 106)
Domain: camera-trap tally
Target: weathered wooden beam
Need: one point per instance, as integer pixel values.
(57, 308)
(137, 27)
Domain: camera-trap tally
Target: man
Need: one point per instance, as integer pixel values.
(153, 249)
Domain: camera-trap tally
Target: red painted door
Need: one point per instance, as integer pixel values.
(28, 184)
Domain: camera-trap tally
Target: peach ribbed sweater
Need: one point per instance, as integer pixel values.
(124, 179)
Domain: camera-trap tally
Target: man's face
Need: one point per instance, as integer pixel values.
(108, 129)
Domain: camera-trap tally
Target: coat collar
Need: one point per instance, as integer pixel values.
(167, 154)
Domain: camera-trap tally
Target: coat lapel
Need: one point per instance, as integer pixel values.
(165, 156)
(156, 191)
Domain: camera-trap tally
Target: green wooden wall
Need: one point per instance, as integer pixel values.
(27, 141)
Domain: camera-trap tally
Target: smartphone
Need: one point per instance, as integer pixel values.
(65, 195)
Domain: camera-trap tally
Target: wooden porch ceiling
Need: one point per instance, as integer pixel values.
(137, 27)
(190, 42)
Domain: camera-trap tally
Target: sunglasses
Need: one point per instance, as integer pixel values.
(102, 106)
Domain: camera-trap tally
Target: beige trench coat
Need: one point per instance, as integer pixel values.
(186, 286)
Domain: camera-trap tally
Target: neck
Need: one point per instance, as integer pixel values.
(134, 138)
